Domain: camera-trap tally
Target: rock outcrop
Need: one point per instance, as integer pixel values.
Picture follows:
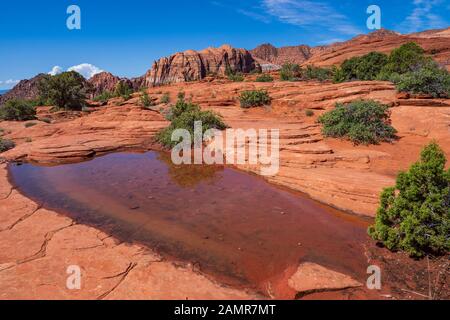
(195, 65)
(294, 54)
(106, 81)
(25, 89)
(311, 278)
(435, 42)
(102, 82)
(332, 171)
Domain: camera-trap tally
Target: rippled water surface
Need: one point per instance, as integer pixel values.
(232, 225)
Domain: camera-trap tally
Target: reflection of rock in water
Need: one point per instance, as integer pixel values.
(190, 175)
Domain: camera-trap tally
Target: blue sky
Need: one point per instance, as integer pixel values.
(125, 37)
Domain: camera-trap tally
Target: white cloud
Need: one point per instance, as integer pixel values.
(87, 70)
(254, 15)
(424, 16)
(9, 82)
(55, 70)
(306, 13)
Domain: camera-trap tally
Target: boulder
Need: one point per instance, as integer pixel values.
(311, 278)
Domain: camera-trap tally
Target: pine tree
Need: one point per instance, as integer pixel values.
(414, 216)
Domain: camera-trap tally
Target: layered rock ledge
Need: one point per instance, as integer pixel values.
(332, 171)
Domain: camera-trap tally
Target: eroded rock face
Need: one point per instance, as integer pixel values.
(37, 246)
(279, 56)
(25, 89)
(106, 81)
(102, 82)
(195, 65)
(435, 42)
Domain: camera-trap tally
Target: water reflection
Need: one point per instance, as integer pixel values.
(233, 225)
(187, 176)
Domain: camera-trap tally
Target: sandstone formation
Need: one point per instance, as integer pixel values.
(267, 53)
(108, 129)
(25, 89)
(329, 170)
(103, 81)
(332, 171)
(435, 42)
(37, 247)
(195, 65)
(106, 81)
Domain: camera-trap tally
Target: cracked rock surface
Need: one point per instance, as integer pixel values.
(37, 246)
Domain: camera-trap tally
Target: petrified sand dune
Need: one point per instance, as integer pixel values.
(435, 42)
(38, 245)
(332, 171)
(192, 65)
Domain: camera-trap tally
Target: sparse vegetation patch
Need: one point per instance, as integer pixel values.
(17, 110)
(362, 122)
(254, 98)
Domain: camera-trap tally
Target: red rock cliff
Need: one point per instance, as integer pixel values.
(195, 65)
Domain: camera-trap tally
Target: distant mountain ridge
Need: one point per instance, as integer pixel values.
(193, 65)
(435, 42)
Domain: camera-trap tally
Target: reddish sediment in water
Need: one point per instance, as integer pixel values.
(232, 225)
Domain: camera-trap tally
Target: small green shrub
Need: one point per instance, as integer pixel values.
(123, 90)
(6, 145)
(17, 110)
(309, 112)
(254, 98)
(145, 100)
(367, 67)
(339, 75)
(317, 73)
(181, 96)
(181, 107)
(46, 120)
(264, 78)
(30, 124)
(165, 98)
(66, 90)
(40, 101)
(183, 116)
(429, 79)
(370, 65)
(378, 66)
(290, 72)
(237, 77)
(104, 97)
(362, 122)
(234, 75)
(406, 58)
(414, 216)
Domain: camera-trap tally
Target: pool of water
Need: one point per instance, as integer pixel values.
(232, 225)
